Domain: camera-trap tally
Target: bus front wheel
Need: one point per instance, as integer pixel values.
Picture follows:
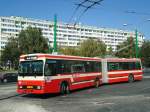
(64, 88)
(130, 78)
(97, 83)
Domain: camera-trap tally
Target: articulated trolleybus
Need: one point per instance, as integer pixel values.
(46, 73)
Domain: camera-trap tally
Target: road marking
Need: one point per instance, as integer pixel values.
(103, 103)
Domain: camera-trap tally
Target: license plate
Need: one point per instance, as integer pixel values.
(27, 91)
(29, 87)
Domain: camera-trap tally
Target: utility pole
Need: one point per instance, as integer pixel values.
(136, 44)
(131, 47)
(55, 34)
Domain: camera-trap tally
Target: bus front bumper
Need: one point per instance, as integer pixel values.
(30, 91)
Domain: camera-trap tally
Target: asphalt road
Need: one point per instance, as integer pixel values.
(123, 97)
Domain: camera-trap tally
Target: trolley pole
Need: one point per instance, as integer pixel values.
(55, 34)
(136, 44)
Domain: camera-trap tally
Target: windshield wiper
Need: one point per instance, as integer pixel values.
(34, 72)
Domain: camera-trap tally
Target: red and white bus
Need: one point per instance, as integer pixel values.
(121, 70)
(45, 73)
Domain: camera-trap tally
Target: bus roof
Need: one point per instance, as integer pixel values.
(65, 57)
(122, 59)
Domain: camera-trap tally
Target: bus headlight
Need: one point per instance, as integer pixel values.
(39, 87)
(20, 87)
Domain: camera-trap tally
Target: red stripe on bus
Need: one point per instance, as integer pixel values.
(117, 75)
(117, 80)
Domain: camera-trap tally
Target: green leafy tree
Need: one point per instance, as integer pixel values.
(29, 41)
(110, 51)
(32, 41)
(92, 48)
(126, 49)
(10, 55)
(69, 51)
(145, 53)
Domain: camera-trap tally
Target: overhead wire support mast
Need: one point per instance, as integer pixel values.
(55, 34)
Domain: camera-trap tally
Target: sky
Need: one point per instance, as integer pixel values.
(110, 14)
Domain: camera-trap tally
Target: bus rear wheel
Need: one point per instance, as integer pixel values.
(130, 78)
(97, 83)
(64, 88)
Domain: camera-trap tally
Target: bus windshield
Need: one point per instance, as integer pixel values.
(31, 68)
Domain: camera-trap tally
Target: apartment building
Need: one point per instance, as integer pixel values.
(67, 34)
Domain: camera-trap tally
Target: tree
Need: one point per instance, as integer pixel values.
(32, 41)
(29, 41)
(126, 49)
(92, 48)
(145, 53)
(110, 51)
(69, 51)
(10, 55)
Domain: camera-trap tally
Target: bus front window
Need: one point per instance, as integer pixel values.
(31, 68)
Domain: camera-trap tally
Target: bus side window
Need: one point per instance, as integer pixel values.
(97, 67)
(131, 66)
(113, 66)
(77, 68)
(109, 66)
(125, 66)
(87, 66)
(50, 68)
(137, 65)
(64, 67)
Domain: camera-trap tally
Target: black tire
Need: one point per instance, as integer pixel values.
(64, 88)
(97, 83)
(130, 78)
(67, 89)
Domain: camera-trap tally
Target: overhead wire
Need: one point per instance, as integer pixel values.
(93, 3)
(76, 9)
(86, 4)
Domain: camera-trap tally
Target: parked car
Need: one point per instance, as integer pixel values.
(8, 77)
